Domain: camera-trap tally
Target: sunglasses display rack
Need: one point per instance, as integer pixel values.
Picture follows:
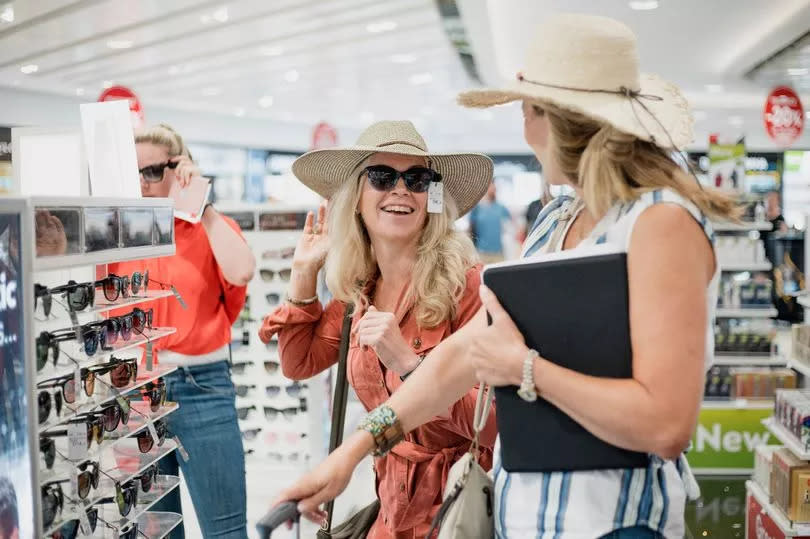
(284, 423)
(97, 472)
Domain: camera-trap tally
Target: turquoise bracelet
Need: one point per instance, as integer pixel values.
(383, 425)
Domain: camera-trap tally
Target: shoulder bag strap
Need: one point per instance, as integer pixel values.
(339, 402)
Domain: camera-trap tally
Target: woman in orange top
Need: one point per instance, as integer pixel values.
(210, 269)
(414, 281)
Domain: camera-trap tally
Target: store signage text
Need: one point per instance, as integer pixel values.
(729, 507)
(731, 441)
(784, 116)
(8, 293)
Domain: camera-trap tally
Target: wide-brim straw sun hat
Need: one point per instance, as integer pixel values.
(589, 64)
(466, 176)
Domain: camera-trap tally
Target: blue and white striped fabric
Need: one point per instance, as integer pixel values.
(585, 505)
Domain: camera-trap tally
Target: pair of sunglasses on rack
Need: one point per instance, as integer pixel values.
(123, 372)
(80, 296)
(115, 286)
(154, 173)
(62, 389)
(269, 275)
(145, 441)
(295, 456)
(156, 393)
(239, 367)
(53, 501)
(114, 413)
(284, 253)
(250, 434)
(293, 390)
(272, 413)
(70, 529)
(95, 429)
(137, 320)
(126, 497)
(384, 178)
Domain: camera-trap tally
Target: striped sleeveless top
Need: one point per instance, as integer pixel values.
(589, 504)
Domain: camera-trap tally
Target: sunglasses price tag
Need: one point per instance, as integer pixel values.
(179, 297)
(77, 441)
(150, 425)
(435, 197)
(84, 522)
(74, 482)
(181, 449)
(150, 359)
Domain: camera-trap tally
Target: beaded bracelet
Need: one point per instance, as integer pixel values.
(382, 423)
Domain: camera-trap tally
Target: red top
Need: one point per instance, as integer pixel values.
(213, 303)
(411, 478)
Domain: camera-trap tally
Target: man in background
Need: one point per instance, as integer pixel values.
(486, 227)
(9, 523)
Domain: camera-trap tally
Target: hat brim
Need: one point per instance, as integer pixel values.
(667, 121)
(466, 176)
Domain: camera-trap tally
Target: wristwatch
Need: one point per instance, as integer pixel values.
(527, 390)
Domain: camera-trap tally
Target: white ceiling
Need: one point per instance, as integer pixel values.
(318, 59)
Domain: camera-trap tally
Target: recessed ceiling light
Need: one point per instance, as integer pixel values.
(174, 70)
(7, 13)
(29, 68)
(266, 101)
(699, 115)
(107, 84)
(268, 50)
(239, 111)
(120, 44)
(292, 75)
(798, 71)
(403, 58)
(382, 26)
(367, 117)
(420, 78)
(80, 91)
(736, 121)
(220, 15)
(643, 5)
(714, 88)
(211, 91)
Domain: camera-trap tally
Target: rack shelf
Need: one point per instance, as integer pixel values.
(101, 305)
(749, 312)
(742, 227)
(738, 404)
(745, 360)
(746, 266)
(787, 438)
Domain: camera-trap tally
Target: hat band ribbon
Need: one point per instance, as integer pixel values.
(393, 142)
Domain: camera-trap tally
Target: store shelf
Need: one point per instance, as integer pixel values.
(738, 404)
(749, 312)
(66, 366)
(746, 266)
(91, 403)
(742, 227)
(787, 438)
(748, 360)
(788, 528)
(104, 257)
(157, 525)
(101, 305)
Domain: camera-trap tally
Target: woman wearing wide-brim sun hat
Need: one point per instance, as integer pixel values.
(389, 248)
(600, 126)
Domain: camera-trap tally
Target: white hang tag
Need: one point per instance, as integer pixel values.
(77, 441)
(435, 197)
(181, 449)
(74, 482)
(84, 522)
(150, 355)
(179, 297)
(150, 425)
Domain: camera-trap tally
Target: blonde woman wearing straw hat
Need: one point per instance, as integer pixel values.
(390, 249)
(597, 124)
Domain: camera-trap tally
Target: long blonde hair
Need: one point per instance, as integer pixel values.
(443, 257)
(163, 135)
(611, 166)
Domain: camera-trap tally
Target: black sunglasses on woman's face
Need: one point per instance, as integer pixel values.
(154, 173)
(417, 179)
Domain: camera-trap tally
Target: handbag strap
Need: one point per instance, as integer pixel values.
(481, 414)
(339, 402)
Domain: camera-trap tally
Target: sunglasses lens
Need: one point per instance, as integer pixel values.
(270, 413)
(42, 351)
(90, 384)
(69, 391)
(417, 179)
(44, 401)
(272, 391)
(136, 281)
(125, 286)
(121, 375)
(271, 366)
(84, 485)
(145, 442)
(138, 320)
(125, 327)
(285, 274)
(111, 289)
(91, 342)
(381, 178)
(48, 508)
(273, 299)
(47, 304)
(69, 530)
(92, 518)
(111, 330)
(266, 275)
(112, 416)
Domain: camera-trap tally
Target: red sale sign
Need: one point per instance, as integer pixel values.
(759, 524)
(784, 116)
(122, 92)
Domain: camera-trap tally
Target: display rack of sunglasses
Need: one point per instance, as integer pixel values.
(82, 231)
(277, 442)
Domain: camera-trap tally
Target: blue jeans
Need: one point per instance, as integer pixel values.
(637, 532)
(206, 425)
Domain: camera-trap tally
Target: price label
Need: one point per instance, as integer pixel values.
(435, 197)
(77, 441)
(150, 425)
(150, 356)
(181, 449)
(74, 481)
(179, 297)
(84, 522)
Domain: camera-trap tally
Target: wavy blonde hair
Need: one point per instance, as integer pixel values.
(611, 166)
(163, 135)
(443, 257)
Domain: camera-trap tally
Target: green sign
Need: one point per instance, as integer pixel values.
(725, 438)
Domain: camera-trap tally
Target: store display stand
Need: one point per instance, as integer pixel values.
(95, 232)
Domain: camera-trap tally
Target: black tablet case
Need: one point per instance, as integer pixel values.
(574, 312)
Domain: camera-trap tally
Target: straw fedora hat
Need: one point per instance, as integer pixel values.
(465, 176)
(589, 64)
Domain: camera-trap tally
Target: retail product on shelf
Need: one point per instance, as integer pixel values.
(792, 411)
(749, 293)
(742, 343)
(790, 485)
(724, 382)
(739, 250)
(763, 456)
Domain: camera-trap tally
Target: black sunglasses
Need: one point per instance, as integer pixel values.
(115, 286)
(48, 449)
(70, 529)
(273, 299)
(293, 390)
(242, 390)
(156, 392)
(147, 478)
(53, 500)
(145, 441)
(114, 413)
(79, 295)
(43, 292)
(95, 429)
(243, 412)
(88, 477)
(417, 179)
(268, 275)
(154, 173)
(126, 497)
(123, 372)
